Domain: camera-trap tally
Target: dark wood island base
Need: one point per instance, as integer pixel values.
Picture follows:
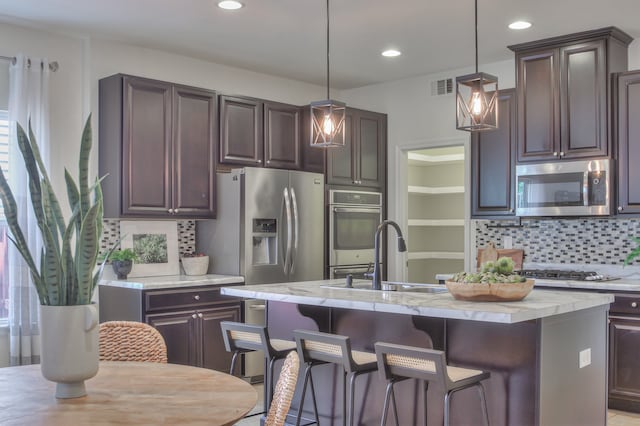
(534, 365)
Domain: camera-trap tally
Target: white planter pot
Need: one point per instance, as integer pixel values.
(195, 265)
(69, 346)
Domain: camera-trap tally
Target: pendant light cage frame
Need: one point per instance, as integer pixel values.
(476, 96)
(477, 89)
(327, 116)
(325, 135)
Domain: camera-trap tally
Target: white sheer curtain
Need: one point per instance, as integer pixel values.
(28, 100)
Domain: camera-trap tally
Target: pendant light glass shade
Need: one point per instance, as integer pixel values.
(476, 97)
(477, 102)
(327, 123)
(327, 116)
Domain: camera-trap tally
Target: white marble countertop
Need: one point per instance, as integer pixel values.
(622, 284)
(168, 281)
(538, 304)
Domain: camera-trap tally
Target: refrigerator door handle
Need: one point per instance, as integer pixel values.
(287, 205)
(296, 230)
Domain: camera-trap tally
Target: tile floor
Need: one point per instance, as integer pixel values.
(615, 417)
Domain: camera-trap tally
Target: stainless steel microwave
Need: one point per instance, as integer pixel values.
(564, 188)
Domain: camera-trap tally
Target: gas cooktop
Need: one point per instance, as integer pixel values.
(555, 274)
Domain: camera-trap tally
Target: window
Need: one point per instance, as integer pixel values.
(4, 241)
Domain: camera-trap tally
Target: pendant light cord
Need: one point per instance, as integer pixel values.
(328, 49)
(476, 17)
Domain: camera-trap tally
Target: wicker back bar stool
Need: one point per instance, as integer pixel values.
(398, 362)
(241, 338)
(284, 390)
(131, 341)
(315, 348)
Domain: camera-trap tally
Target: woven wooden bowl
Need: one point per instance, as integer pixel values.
(496, 292)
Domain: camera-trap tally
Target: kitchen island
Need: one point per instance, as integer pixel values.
(546, 354)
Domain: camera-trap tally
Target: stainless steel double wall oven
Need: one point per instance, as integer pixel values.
(353, 219)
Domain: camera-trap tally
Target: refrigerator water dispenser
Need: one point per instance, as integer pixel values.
(265, 242)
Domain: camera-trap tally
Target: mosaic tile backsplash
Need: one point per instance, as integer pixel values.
(186, 235)
(558, 241)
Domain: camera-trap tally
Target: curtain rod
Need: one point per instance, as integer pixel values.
(53, 66)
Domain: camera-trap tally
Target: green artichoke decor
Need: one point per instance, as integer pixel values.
(65, 274)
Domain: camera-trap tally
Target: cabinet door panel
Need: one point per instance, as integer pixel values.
(240, 131)
(583, 91)
(180, 335)
(282, 136)
(624, 363)
(371, 138)
(493, 163)
(341, 161)
(313, 158)
(194, 157)
(146, 141)
(214, 354)
(537, 105)
(628, 147)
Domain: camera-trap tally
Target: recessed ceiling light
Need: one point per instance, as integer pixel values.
(230, 4)
(520, 25)
(391, 53)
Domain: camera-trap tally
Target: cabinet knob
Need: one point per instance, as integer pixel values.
(175, 211)
(268, 161)
(561, 153)
(197, 297)
(555, 154)
(510, 210)
(258, 161)
(620, 208)
(170, 211)
(200, 315)
(194, 316)
(634, 304)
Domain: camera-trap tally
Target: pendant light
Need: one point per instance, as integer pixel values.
(327, 116)
(476, 97)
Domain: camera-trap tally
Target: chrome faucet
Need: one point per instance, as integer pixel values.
(376, 283)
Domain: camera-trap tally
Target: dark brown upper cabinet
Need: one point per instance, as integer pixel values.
(282, 136)
(241, 141)
(259, 133)
(313, 158)
(362, 161)
(493, 160)
(156, 148)
(563, 90)
(628, 134)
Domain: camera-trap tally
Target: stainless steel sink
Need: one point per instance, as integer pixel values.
(391, 286)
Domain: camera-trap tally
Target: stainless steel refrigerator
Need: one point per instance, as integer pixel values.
(269, 229)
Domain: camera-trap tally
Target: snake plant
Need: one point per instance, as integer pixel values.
(65, 273)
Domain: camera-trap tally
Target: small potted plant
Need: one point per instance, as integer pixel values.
(122, 262)
(195, 263)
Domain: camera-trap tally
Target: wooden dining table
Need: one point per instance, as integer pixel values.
(127, 393)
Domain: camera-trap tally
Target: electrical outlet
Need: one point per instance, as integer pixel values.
(507, 242)
(585, 358)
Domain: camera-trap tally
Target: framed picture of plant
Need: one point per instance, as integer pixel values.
(156, 245)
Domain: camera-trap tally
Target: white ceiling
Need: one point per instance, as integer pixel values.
(287, 37)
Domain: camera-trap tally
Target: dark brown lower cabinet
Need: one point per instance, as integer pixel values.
(624, 361)
(188, 319)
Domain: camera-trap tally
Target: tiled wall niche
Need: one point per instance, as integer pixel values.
(186, 235)
(571, 241)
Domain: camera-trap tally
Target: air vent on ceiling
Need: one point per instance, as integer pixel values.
(442, 87)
